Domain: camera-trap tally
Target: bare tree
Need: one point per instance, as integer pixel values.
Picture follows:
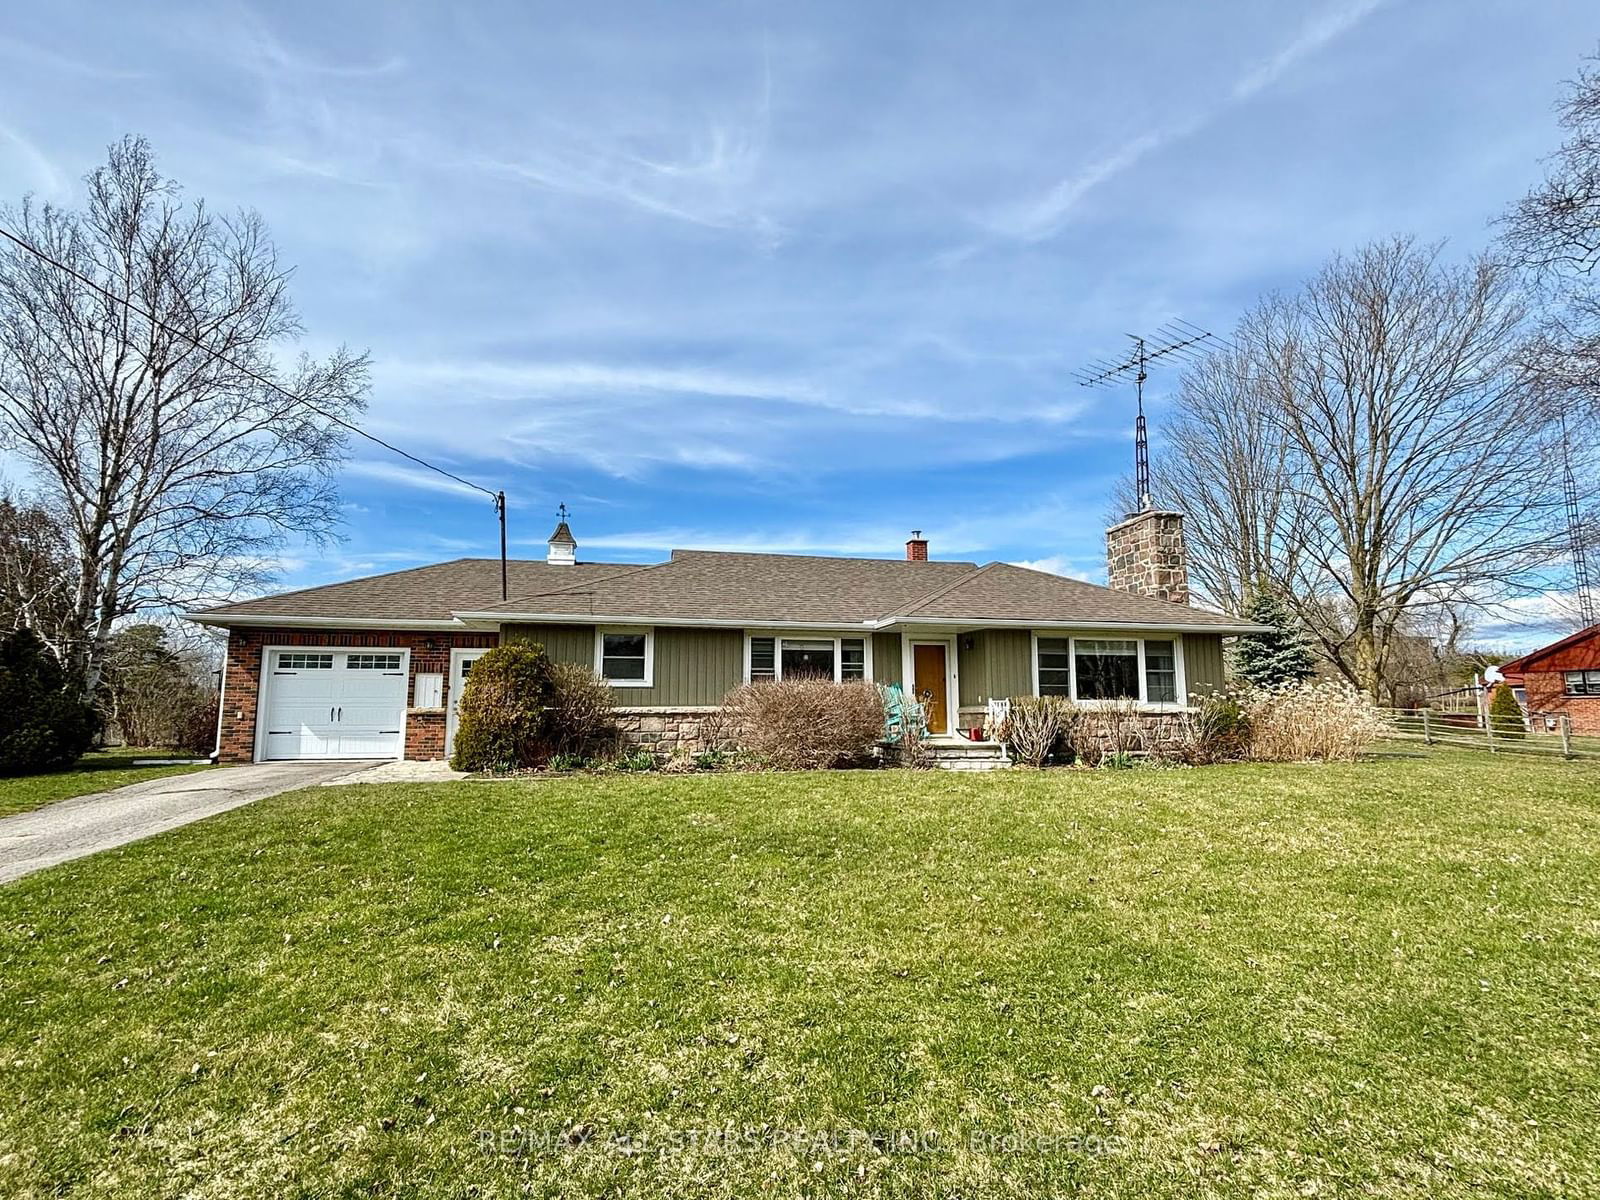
(1554, 232)
(1375, 450)
(175, 472)
(36, 582)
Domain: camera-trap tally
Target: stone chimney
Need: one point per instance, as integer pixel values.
(917, 547)
(1145, 555)
(563, 546)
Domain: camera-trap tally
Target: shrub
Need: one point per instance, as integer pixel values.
(501, 722)
(905, 727)
(1505, 714)
(807, 724)
(44, 724)
(1322, 722)
(1112, 728)
(1215, 729)
(637, 760)
(580, 714)
(1037, 727)
(194, 723)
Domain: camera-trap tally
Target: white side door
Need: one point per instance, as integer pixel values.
(460, 667)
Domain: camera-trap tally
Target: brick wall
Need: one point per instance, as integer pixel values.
(1547, 693)
(1145, 555)
(430, 653)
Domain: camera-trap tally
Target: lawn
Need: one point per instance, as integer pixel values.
(1373, 980)
(97, 771)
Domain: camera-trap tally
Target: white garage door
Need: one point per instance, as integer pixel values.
(334, 704)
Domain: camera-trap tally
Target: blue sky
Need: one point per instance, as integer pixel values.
(788, 277)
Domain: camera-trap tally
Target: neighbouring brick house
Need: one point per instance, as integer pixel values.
(372, 668)
(1563, 677)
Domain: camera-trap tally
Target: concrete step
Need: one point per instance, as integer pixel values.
(968, 756)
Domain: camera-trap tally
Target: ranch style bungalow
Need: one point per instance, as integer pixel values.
(372, 668)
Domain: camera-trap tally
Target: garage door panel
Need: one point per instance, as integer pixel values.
(334, 704)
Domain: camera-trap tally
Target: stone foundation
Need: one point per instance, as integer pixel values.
(666, 731)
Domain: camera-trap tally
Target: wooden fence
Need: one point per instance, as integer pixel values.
(1547, 735)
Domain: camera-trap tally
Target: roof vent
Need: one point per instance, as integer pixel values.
(563, 546)
(917, 547)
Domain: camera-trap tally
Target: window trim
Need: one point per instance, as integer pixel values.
(800, 635)
(1180, 681)
(649, 632)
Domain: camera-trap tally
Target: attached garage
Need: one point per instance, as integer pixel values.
(324, 702)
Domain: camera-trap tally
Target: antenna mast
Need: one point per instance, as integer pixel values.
(1580, 558)
(1174, 337)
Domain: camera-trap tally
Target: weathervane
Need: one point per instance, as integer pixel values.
(1175, 337)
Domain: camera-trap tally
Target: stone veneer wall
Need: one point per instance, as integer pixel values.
(430, 654)
(665, 731)
(1145, 555)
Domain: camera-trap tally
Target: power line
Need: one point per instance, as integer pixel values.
(499, 497)
(218, 356)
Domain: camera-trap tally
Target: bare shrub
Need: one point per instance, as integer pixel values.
(1215, 729)
(580, 713)
(806, 724)
(1037, 726)
(1311, 722)
(1111, 729)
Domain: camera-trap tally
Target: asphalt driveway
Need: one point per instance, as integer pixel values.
(69, 829)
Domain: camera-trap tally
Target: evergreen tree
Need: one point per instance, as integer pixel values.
(1272, 659)
(1505, 714)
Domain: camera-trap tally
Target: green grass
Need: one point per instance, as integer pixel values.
(97, 771)
(1371, 980)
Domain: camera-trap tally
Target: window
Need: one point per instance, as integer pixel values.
(372, 662)
(305, 662)
(763, 658)
(773, 657)
(1107, 670)
(1160, 672)
(852, 658)
(807, 659)
(1583, 683)
(1055, 666)
(625, 656)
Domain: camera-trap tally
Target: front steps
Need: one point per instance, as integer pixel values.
(958, 754)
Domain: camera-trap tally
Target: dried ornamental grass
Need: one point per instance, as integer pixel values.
(1311, 722)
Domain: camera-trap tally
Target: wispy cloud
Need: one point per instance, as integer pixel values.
(1043, 217)
(418, 478)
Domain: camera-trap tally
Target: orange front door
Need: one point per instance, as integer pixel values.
(928, 678)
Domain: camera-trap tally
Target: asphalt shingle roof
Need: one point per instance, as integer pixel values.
(719, 586)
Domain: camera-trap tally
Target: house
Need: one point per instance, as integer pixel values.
(1563, 677)
(372, 668)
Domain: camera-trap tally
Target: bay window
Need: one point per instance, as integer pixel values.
(1107, 669)
(1090, 669)
(799, 657)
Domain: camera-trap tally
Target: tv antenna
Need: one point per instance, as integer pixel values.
(1176, 337)
(1580, 558)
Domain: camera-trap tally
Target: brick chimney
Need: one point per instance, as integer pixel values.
(917, 547)
(1145, 555)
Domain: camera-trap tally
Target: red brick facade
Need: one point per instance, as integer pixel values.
(430, 654)
(1542, 675)
(1547, 693)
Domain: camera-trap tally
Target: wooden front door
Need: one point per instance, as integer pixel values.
(928, 676)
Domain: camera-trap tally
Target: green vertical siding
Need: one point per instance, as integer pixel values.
(1202, 663)
(563, 643)
(998, 665)
(693, 666)
(886, 666)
